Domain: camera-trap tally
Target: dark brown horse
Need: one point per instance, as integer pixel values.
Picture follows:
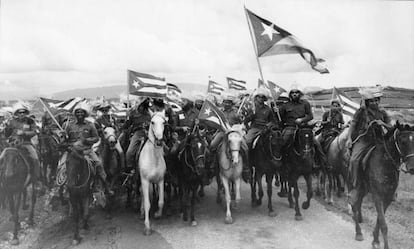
(192, 172)
(266, 158)
(79, 184)
(381, 175)
(15, 176)
(300, 162)
(49, 156)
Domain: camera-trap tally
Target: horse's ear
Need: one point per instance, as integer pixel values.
(150, 112)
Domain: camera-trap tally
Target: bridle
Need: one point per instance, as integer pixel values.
(304, 151)
(152, 131)
(401, 156)
(272, 156)
(201, 156)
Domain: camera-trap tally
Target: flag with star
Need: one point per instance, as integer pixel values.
(215, 88)
(147, 85)
(273, 40)
(173, 93)
(239, 85)
(349, 107)
(275, 89)
(213, 116)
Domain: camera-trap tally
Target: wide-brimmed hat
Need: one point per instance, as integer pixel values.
(261, 91)
(84, 106)
(371, 92)
(21, 106)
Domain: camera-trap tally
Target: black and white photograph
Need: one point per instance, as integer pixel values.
(186, 124)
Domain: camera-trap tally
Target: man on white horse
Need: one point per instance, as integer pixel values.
(21, 129)
(106, 120)
(359, 140)
(233, 118)
(261, 117)
(82, 134)
(138, 123)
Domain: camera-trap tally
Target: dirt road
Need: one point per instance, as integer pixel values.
(252, 228)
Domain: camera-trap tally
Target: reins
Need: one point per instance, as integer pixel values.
(401, 156)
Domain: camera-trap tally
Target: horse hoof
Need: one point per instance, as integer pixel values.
(14, 242)
(147, 231)
(305, 205)
(359, 237)
(298, 217)
(194, 223)
(157, 215)
(201, 194)
(331, 203)
(25, 207)
(228, 220)
(376, 245)
(272, 214)
(75, 242)
(282, 194)
(259, 202)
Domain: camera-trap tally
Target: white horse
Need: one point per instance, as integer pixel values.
(152, 166)
(231, 165)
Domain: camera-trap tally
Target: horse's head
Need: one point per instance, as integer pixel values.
(304, 142)
(273, 144)
(156, 130)
(12, 162)
(234, 138)
(404, 142)
(109, 135)
(197, 151)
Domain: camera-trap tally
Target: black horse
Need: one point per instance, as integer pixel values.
(15, 176)
(49, 157)
(79, 182)
(300, 162)
(192, 172)
(266, 158)
(381, 175)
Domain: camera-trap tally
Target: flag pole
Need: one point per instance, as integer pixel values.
(254, 46)
(51, 115)
(128, 80)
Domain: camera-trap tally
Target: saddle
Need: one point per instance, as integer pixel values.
(61, 176)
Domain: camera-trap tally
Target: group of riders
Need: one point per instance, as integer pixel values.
(289, 114)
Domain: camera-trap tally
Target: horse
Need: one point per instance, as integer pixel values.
(230, 162)
(192, 172)
(266, 158)
(15, 176)
(79, 172)
(300, 162)
(49, 156)
(152, 166)
(381, 175)
(111, 162)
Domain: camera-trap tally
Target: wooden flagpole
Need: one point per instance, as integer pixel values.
(51, 115)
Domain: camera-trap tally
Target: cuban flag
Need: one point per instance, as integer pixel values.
(212, 116)
(147, 85)
(215, 88)
(349, 107)
(239, 85)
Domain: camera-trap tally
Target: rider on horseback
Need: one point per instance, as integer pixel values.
(359, 140)
(106, 120)
(137, 123)
(21, 129)
(332, 122)
(296, 113)
(82, 134)
(233, 118)
(261, 117)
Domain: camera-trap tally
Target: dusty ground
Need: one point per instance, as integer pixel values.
(324, 226)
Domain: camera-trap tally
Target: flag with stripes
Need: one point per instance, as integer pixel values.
(213, 116)
(67, 105)
(273, 40)
(349, 107)
(215, 88)
(173, 93)
(260, 83)
(142, 84)
(239, 85)
(275, 89)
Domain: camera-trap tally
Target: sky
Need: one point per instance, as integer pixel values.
(48, 46)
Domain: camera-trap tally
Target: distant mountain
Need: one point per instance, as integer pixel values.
(110, 92)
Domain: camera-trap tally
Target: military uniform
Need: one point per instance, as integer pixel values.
(259, 119)
(291, 111)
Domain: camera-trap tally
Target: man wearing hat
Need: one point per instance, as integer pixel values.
(295, 113)
(82, 134)
(359, 140)
(332, 122)
(106, 120)
(21, 129)
(138, 123)
(259, 119)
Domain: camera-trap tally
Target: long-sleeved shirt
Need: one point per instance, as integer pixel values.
(27, 125)
(85, 130)
(293, 110)
(262, 116)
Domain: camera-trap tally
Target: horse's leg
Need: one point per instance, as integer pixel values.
(31, 215)
(219, 189)
(237, 184)
(15, 217)
(330, 187)
(309, 191)
(260, 185)
(298, 215)
(381, 223)
(185, 201)
(356, 209)
(168, 189)
(228, 219)
(193, 198)
(25, 206)
(75, 212)
(320, 179)
(201, 191)
(253, 189)
(85, 210)
(158, 214)
(290, 186)
(147, 205)
(269, 179)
